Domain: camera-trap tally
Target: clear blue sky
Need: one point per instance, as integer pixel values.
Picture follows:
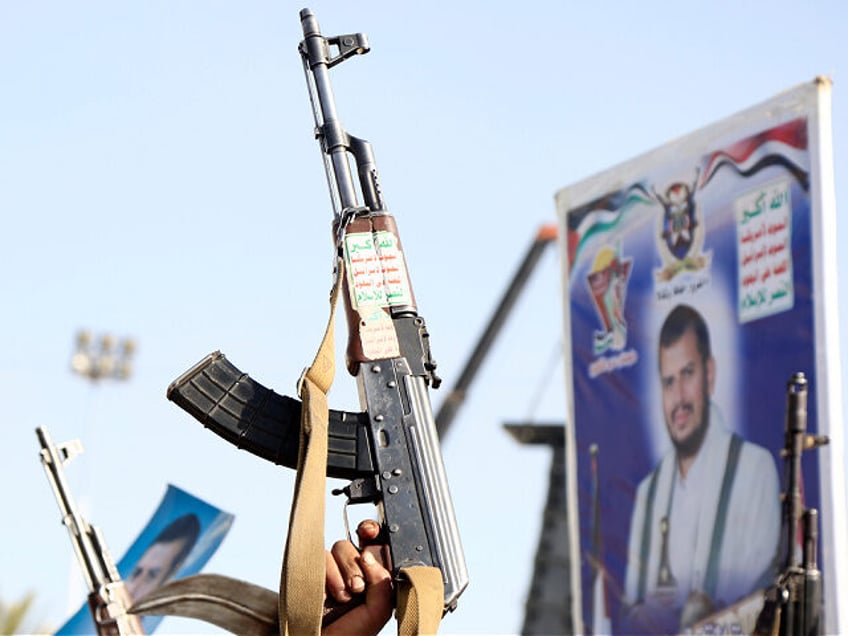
(159, 180)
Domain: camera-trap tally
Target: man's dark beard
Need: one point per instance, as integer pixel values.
(690, 446)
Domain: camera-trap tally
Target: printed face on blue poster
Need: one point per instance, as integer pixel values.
(181, 536)
(691, 303)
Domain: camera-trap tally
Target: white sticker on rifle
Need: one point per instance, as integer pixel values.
(376, 270)
(377, 335)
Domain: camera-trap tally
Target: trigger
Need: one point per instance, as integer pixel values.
(357, 492)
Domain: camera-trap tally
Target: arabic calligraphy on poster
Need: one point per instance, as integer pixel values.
(763, 222)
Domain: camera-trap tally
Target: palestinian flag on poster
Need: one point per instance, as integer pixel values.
(603, 215)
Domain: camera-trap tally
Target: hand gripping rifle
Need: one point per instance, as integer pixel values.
(108, 598)
(390, 451)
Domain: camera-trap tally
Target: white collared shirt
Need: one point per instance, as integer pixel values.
(752, 528)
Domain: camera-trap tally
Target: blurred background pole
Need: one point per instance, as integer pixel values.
(94, 358)
(97, 358)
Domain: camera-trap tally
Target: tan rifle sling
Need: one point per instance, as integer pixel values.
(420, 597)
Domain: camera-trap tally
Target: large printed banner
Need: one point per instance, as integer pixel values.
(697, 285)
(181, 536)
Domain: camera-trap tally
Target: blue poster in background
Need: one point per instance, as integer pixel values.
(693, 296)
(179, 539)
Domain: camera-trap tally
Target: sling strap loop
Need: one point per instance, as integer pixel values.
(301, 609)
(304, 568)
(421, 596)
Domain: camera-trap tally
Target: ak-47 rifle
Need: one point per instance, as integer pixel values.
(390, 451)
(108, 598)
(793, 604)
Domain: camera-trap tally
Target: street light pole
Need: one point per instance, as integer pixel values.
(95, 359)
